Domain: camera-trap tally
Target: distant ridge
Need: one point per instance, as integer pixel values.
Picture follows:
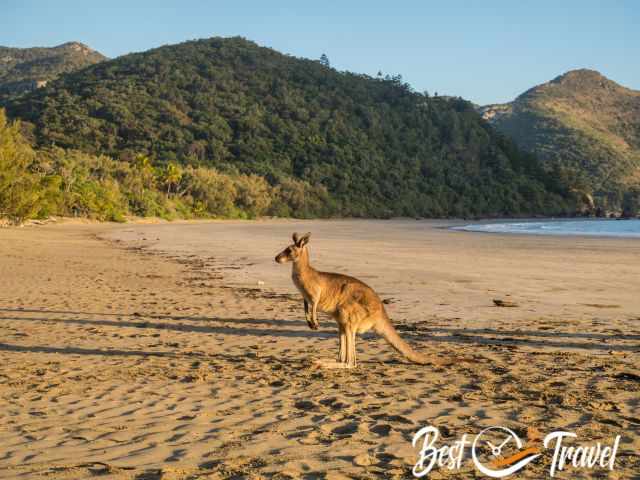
(25, 69)
(584, 123)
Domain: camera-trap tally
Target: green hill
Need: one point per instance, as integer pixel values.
(585, 124)
(25, 69)
(374, 146)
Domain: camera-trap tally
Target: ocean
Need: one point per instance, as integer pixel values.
(579, 227)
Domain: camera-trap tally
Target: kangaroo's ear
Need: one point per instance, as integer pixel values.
(295, 238)
(302, 241)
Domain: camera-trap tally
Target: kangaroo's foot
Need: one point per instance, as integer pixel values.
(332, 365)
(313, 325)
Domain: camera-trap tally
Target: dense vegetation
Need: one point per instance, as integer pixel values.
(584, 124)
(55, 181)
(316, 142)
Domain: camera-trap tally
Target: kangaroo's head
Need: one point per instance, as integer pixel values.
(294, 251)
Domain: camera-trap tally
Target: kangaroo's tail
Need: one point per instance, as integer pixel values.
(385, 329)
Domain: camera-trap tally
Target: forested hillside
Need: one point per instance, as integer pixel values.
(55, 181)
(586, 125)
(329, 143)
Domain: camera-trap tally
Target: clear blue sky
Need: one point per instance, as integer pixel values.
(485, 51)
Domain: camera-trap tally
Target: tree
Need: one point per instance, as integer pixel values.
(253, 196)
(631, 203)
(19, 187)
(211, 192)
(171, 177)
(324, 60)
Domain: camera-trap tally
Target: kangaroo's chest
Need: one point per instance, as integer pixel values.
(313, 293)
(303, 286)
(299, 283)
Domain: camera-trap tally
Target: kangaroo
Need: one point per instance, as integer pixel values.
(354, 305)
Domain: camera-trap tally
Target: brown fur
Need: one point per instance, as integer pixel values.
(354, 305)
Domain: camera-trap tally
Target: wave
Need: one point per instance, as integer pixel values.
(595, 228)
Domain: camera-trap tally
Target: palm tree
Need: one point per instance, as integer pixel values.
(172, 176)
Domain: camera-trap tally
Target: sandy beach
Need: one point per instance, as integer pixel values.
(180, 350)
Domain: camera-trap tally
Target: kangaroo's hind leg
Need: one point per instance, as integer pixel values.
(343, 345)
(350, 333)
(344, 354)
(344, 329)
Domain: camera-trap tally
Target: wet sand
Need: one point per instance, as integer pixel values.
(181, 351)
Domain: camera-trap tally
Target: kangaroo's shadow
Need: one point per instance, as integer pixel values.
(533, 333)
(505, 338)
(192, 318)
(225, 329)
(241, 327)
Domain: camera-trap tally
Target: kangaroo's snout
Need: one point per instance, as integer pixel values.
(286, 255)
(293, 252)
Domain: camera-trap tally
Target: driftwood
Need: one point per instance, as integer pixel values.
(504, 303)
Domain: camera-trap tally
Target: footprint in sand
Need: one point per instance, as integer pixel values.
(381, 429)
(347, 429)
(392, 418)
(305, 405)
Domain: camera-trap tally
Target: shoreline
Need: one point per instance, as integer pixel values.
(484, 227)
(453, 224)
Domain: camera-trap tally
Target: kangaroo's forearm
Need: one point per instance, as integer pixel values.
(312, 320)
